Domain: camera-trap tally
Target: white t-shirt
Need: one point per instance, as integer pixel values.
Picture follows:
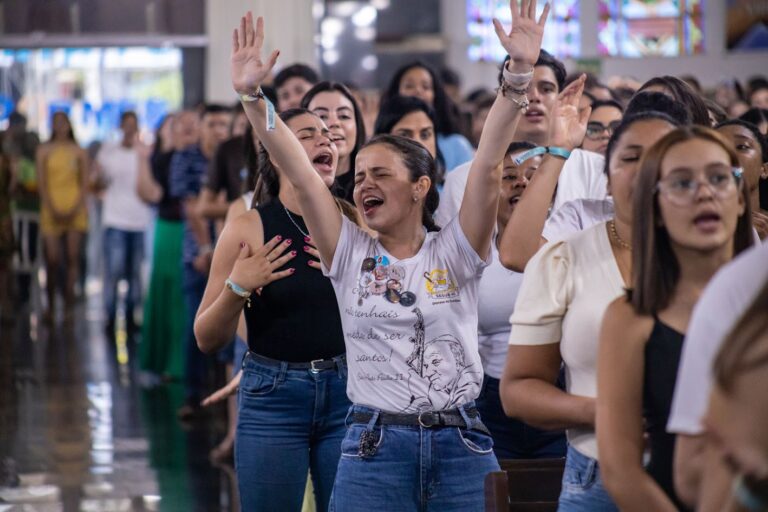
(498, 291)
(577, 215)
(725, 299)
(582, 177)
(417, 349)
(122, 208)
(566, 288)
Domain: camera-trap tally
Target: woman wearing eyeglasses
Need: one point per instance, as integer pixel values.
(605, 117)
(690, 217)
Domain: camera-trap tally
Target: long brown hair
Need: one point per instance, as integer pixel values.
(742, 352)
(655, 269)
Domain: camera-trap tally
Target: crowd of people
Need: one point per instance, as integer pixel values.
(404, 296)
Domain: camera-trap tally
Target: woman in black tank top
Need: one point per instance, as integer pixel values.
(690, 217)
(292, 396)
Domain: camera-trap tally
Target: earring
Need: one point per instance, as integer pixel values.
(415, 199)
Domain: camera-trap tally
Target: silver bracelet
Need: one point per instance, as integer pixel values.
(517, 80)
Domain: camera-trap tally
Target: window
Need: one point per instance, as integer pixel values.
(643, 28)
(562, 36)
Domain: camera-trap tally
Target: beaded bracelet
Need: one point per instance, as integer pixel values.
(239, 291)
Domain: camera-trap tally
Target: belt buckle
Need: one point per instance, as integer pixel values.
(312, 366)
(428, 419)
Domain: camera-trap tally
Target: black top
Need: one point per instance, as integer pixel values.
(295, 319)
(227, 170)
(662, 358)
(344, 186)
(169, 208)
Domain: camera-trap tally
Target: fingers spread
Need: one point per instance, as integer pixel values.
(499, 29)
(259, 36)
(235, 42)
(273, 58)
(269, 246)
(249, 29)
(278, 250)
(315, 264)
(241, 34)
(281, 275)
(282, 260)
(544, 15)
(584, 115)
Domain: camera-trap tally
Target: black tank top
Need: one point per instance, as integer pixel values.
(295, 319)
(662, 358)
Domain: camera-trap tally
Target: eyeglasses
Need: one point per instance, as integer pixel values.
(682, 188)
(595, 129)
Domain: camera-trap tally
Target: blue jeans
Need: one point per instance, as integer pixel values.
(195, 362)
(513, 439)
(413, 468)
(123, 255)
(290, 422)
(583, 489)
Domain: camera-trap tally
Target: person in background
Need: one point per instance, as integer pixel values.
(20, 146)
(452, 84)
(582, 176)
(758, 117)
(188, 169)
(690, 217)
(512, 439)
(420, 80)
(292, 83)
(482, 107)
(62, 176)
(752, 149)
(605, 117)
(162, 331)
(716, 113)
(124, 218)
(224, 182)
(693, 83)
(409, 117)
(681, 92)
(337, 107)
(758, 94)
(702, 476)
(7, 242)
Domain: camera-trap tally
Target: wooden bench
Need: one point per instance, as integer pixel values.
(525, 485)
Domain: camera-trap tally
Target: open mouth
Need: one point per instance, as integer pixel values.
(514, 200)
(323, 162)
(707, 221)
(370, 204)
(534, 114)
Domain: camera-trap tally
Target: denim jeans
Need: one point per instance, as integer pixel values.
(413, 468)
(123, 256)
(290, 422)
(513, 439)
(583, 489)
(195, 362)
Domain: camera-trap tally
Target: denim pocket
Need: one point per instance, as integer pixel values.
(580, 472)
(350, 445)
(255, 384)
(476, 441)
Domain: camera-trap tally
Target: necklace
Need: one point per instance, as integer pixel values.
(616, 237)
(290, 217)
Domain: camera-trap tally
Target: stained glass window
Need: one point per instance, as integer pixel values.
(642, 28)
(562, 36)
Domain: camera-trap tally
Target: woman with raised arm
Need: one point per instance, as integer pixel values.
(292, 400)
(408, 298)
(690, 217)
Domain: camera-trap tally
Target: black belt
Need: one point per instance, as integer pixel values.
(426, 419)
(315, 366)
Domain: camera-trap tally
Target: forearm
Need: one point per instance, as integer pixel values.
(522, 236)
(196, 223)
(544, 405)
(715, 486)
(689, 466)
(147, 188)
(631, 487)
(212, 206)
(216, 325)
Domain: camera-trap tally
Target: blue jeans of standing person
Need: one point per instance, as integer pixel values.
(290, 422)
(123, 256)
(513, 439)
(413, 468)
(583, 489)
(196, 363)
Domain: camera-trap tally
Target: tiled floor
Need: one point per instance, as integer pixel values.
(85, 432)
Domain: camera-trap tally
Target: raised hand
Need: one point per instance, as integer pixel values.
(523, 42)
(247, 67)
(568, 125)
(254, 271)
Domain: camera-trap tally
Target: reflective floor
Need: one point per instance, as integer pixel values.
(84, 431)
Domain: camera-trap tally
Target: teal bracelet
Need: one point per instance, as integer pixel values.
(239, 291)
(746, 497)
(558, 152)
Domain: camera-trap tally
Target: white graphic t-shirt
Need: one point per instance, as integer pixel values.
(410, 325)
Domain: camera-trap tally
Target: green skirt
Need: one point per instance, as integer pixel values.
(161, 350)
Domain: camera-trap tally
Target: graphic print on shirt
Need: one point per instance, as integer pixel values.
(440, 285)
(378, 277)
(440, 367)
